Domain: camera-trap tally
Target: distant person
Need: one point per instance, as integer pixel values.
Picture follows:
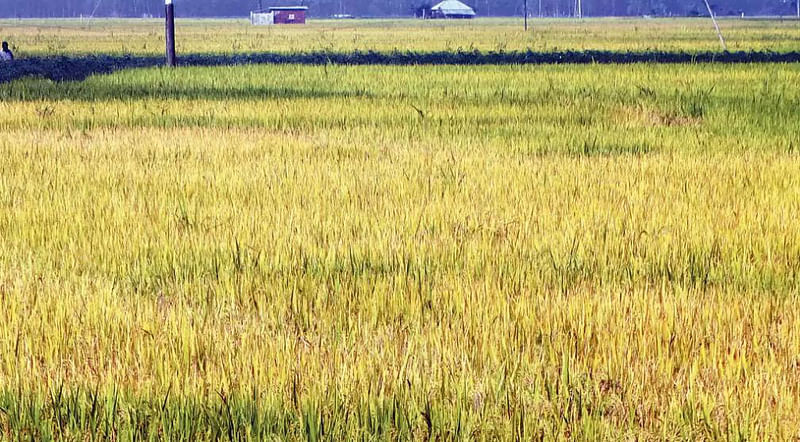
(6, 55)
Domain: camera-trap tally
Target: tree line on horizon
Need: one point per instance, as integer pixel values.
(390, 8)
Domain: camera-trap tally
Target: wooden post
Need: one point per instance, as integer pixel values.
(526, 15)
(172, 60)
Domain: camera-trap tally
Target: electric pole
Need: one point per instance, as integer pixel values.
(526, 15)
(170, 28)
(716, 26)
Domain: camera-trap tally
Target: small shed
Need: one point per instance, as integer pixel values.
(452, 9)
(288, 14)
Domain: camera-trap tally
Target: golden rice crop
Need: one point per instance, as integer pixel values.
(559, 252)
(47, 37)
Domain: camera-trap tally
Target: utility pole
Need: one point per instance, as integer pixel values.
(716, 26)
(525, 12)
(170, 28)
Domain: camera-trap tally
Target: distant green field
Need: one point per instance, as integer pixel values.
(401, 253)
(36, 37)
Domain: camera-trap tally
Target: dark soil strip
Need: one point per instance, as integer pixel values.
(78, 68)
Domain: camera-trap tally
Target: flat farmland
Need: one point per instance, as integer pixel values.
(595, 252)
(146, 37)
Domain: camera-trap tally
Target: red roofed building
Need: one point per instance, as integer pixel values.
(289, 14)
